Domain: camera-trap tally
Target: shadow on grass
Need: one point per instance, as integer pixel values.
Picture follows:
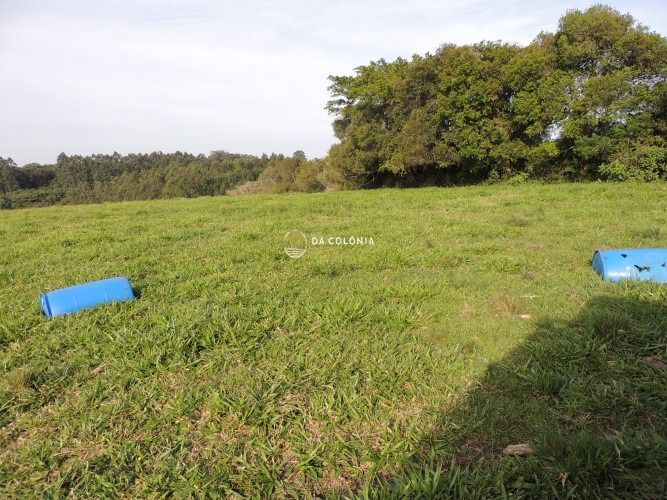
(589, 396)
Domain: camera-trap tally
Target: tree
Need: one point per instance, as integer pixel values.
(563, 106)
(8, 176)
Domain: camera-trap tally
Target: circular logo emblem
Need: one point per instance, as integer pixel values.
(295, 243)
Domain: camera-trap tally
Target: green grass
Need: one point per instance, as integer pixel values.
(400, 369)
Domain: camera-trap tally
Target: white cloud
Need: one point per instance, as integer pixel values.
(137, 76)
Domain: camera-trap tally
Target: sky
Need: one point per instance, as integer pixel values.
(85, 77)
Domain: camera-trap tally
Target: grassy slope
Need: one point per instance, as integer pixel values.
(474, 322)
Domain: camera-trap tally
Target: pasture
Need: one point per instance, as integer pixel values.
(402, 368)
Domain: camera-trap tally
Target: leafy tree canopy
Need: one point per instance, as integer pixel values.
(586, 101)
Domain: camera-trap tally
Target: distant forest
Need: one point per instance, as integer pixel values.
(588, 102)
(115, 177)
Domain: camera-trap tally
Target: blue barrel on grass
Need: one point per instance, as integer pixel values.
(74, 298)
(639, 264)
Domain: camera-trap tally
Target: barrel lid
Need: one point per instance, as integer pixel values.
(46, 308)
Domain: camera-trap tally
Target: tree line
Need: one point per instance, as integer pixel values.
(115, 177)
(586, 102)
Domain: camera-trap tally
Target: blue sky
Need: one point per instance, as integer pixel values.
(249, 77)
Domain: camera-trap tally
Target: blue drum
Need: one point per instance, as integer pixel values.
(74, 298)
(639, 264)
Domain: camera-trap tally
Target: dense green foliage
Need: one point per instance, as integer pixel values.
(99, 178)
(589, 101)
(287, 175)
(399, 369)
(88, 179)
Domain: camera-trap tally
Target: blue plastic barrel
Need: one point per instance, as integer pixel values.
(74, 298)
(640, 264)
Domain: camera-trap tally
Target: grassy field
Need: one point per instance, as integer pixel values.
(399, 369)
